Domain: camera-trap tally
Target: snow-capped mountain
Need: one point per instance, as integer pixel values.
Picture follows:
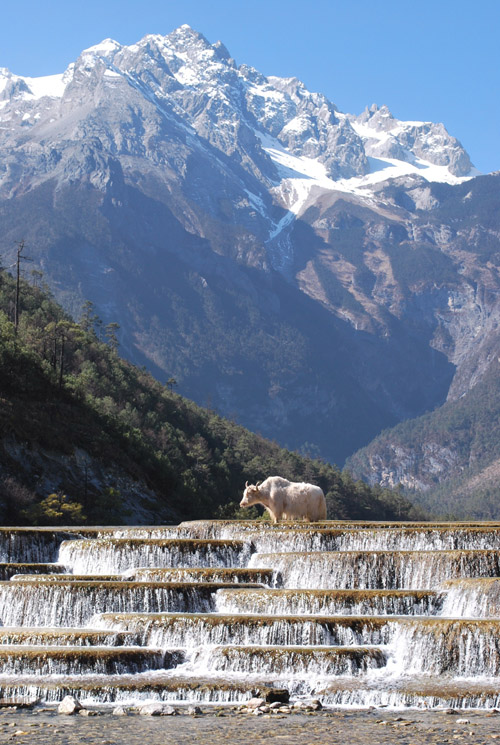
(319, 275)
(277, 129)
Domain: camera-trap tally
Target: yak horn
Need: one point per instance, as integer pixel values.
(258, 484)
(246, 484)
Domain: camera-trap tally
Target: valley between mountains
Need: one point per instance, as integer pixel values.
(319, 277)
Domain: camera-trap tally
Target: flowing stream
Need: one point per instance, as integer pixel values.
(355, 614)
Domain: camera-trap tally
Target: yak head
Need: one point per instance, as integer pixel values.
(251, 495)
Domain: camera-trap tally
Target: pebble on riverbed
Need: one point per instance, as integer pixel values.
(158, 710)
(90, 713)
(254, 703)
(258, 707)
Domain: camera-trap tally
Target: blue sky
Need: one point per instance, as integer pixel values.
(429, 60)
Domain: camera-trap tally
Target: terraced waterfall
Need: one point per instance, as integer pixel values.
(352, 614)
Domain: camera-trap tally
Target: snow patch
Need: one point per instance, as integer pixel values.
(187, 76)
(52, 86)
(299, 175)
(257, 202)
(311, 172)
(369, 133)
(106, 48)
(266, 92)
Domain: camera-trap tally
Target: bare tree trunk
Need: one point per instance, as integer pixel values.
(61, 361)
(20, 247)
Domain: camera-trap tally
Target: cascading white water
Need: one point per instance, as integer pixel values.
(154, 532)
(38, 578)
(384, 615)
(194, 630)
(30, 545)
(416, 539)
(454, 648)
(378, 569)
(410, 693)
(66, 660)
(205, 574)
(303, 661)
(472, 597)
(73, 637)
(112, 555)
(329, 602)
(74, 603)
(125, 689)
(345, 537)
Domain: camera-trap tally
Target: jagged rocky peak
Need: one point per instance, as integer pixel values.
(306, 123)
(11, 86)
(379, 118)
(235, 109)
(182, 50)
(106, 49)
(190, 56)
(386, 136)
(91, 65)
(186, 40)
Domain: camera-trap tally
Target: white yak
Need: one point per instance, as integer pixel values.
(286, 500)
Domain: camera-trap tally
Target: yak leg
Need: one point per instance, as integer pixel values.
(275, 516)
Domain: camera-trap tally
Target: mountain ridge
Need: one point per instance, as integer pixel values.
(448, 460)
(289, 263)
(85, 435)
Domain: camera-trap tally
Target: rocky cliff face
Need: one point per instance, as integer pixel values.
(449, 458)
(317, 275)
(50, 471)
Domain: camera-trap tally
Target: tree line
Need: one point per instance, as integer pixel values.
(63, 386)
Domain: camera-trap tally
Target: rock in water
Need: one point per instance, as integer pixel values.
(157, 710)
(271, 695)
(254, 703)
(119, 711)
(69, 705)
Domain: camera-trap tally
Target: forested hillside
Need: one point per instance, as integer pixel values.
(449, 459)
(86, 436)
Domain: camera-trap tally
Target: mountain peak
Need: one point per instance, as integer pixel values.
(222, 51)
(106, 48)
(275, 126)
(379, 117)
(185, 37)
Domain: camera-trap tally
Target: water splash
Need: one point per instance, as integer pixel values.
(114, 555)
(378, 569)
(356, 614)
